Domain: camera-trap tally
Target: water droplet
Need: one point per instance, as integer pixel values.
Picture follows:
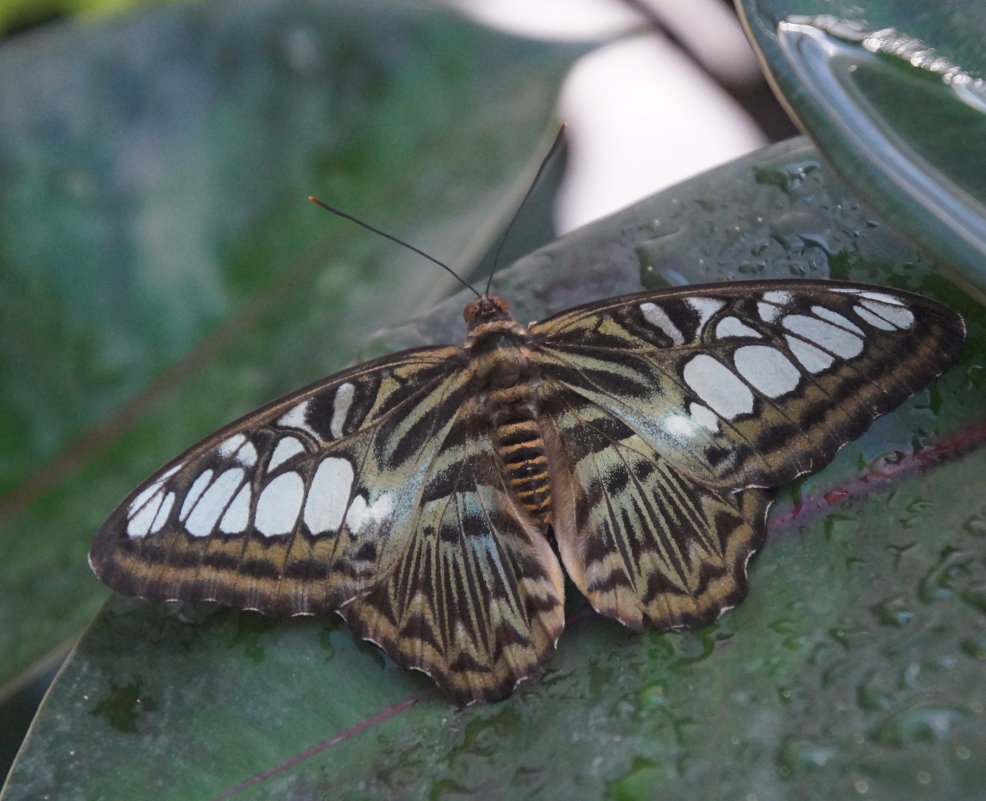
(920, 724)
(942, 580)
(975, 596)
(788, 176)
(841, 529)
(876, 692)
(886, 465)
(639, 783)
(122, 706)
(798, 757)
(894, 612)
(652, 697)
(976, 525)
(975, 648)
(797, 231)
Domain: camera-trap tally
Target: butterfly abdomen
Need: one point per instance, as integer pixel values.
(521, 449)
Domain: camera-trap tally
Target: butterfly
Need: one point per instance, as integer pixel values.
(431, 497)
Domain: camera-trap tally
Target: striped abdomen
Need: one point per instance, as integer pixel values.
(521, 449)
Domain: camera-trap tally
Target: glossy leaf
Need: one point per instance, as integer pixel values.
(854, 666)
(892, 93)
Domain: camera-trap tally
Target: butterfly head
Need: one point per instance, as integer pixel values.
(486, 309)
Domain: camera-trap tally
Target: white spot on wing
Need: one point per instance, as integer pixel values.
(874, 319)
(340, 408)
(705, 307)
(162, 514)
(329, 495)
(237, 516)
(240, 447)
(140, 524)
(657, 317)
(827, 336)
(772, 305)
(767, 369)
(286, 448)
(813, 359)
(704, 416)
(147, 492)
(880, 297)
(279, 504)
(210, 507)
(679, 426)
(195, 492)
(718, 387)
(838, 319)
(779, 297)
(896, 314)
(734, 327)
(230, 446)
(247, 455)
(357, 513)
(362, 515)
(296, 419)
(767, 312)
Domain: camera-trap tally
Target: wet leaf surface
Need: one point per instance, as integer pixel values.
(855, 667)
(893, 96)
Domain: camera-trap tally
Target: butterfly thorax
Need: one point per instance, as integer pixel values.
(505, 378)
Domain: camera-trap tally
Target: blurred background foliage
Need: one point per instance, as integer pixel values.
(162, 274)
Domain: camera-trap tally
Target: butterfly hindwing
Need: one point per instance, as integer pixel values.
(643, 541)
(476, 599)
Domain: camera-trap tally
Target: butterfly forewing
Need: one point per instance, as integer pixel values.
(296, 507)
(419, 494)
(751, 384)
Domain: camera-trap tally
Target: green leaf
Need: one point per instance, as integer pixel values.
(162, 271)
(892, 94)
(855, 667)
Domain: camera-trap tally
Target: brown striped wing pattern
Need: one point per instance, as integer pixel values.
(427, 496)
(672, 411)
(361, 494)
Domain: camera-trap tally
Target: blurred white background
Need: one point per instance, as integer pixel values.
(650, 109)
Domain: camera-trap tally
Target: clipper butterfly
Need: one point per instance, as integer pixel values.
(433, 497)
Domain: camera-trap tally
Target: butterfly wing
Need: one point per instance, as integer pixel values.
(476, 599)
(363, 493)
(751, 384)
(669, 409)
(642, 540)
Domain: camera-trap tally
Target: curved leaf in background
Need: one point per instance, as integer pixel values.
(854, 668)
(161, 269)
(893, 95)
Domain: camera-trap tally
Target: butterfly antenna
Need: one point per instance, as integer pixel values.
(392, 238)
(559, 139)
